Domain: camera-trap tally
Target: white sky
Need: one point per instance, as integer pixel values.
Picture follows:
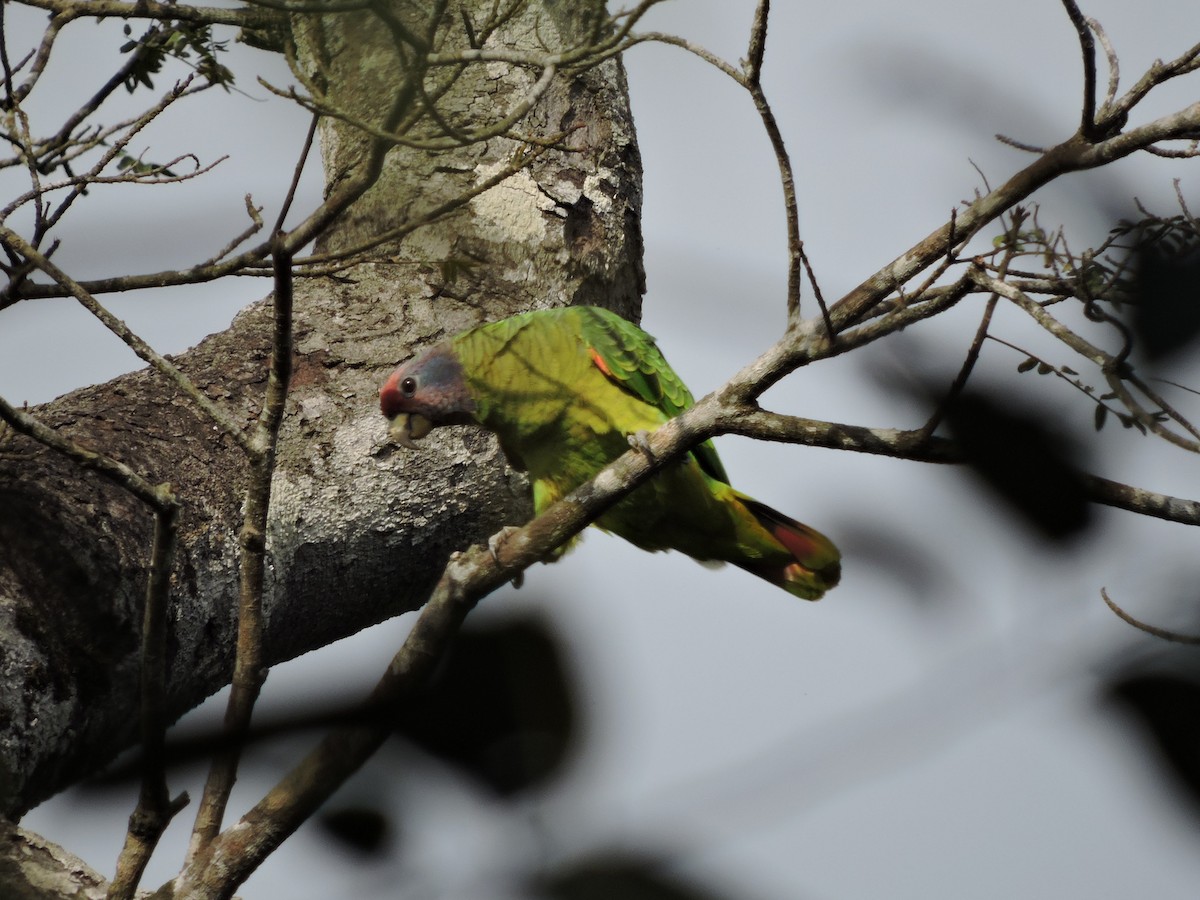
(900, 740)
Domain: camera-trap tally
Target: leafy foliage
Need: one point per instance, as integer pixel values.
(190, 42)
(362, 829)
(1166, 292)
(620, 876)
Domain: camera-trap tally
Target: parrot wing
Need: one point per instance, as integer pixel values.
(630, 359)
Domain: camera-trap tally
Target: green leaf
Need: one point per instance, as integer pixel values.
(1028, 364)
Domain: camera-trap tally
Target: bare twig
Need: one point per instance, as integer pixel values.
(296, 173)
(121, 330)
(111, 469)
(1087, 46)
(981, 332)
(249, 672)
(155, 808)
(1173, 636)
(521, 160)
(1112, 365)
(238, 17)
(1114, 64)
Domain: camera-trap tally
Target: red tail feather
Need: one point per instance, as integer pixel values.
(817, 566)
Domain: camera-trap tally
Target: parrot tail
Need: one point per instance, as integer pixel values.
(817, 564)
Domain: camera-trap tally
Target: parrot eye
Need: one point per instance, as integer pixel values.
(408, 386)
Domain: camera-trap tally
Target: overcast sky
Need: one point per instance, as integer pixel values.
(928, 730)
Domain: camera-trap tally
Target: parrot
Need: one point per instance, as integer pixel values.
(566, 391)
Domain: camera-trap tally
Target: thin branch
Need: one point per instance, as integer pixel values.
(55, 145)
(1087, 46)
(1173, 636)
(1114, 64)
(1158, 73)
(111, 469)
(749, 77)
(914, 446)
(58, 21)
(521, 160)
(238, 17)
(80, 184)
(1115, 371)
(155, 808)
(1089, 351)
(121, 330)
(1074, 154)
(1161, 402)
(499, 128)
(1142, 415)
(255, 226)
(296, 173)
(1190, 152)
(812, 279)
(758, 42)
(249, 671)
(708, 56)
(179, 90)
(981, 332)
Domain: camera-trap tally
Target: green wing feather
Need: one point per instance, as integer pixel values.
(633, 361)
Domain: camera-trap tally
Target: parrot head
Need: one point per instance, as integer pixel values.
(427, 391)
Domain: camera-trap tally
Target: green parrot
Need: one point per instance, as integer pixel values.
(565, 391)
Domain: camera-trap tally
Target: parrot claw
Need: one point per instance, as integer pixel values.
(494, 544)
(640, 441)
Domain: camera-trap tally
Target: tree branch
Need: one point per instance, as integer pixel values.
(249, 671)
(1087, 46)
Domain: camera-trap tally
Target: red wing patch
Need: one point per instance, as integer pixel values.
(599, 361)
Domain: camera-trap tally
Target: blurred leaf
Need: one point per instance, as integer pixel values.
(365, 830)
(1167, 707)
(907, 563)
(500, 706)
(454, 266)
(619, 877)
(1023, 460)
(1166, 293)
(180, 40)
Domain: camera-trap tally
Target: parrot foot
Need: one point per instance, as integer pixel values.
(494, 544)
(640, 441)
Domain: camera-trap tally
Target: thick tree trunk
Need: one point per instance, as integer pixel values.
(359, 529)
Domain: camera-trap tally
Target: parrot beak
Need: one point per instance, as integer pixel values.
(408, 428)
